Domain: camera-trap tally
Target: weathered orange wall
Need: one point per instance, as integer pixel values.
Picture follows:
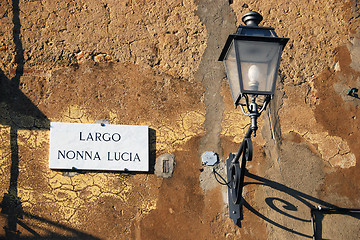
(155, 63)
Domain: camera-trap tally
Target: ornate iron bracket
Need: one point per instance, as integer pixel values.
(235, 170)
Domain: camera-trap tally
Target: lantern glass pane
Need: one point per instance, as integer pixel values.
(232, 72)
(259, 65)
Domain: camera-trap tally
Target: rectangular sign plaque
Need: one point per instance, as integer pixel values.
(99, 147)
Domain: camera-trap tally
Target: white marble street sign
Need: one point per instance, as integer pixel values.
(99, 147)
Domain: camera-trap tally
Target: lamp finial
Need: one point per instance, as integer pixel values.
(252, 18)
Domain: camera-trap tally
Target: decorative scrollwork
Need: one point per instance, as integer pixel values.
(248, 149)
(237, 173)
(235, 182)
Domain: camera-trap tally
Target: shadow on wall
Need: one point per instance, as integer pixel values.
(17, 112)
(316, 214)
(152, 150)
(69, 233)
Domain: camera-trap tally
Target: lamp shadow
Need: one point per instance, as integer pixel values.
(68, 232)
(17, 112)
(316, 214)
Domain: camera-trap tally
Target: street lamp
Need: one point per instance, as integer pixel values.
(251, 57)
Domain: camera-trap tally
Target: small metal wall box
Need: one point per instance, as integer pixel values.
(164, 166)
(209, 158)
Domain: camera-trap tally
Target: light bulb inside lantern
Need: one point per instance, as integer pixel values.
(253, 75)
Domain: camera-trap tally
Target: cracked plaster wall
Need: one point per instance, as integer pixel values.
(145, 62)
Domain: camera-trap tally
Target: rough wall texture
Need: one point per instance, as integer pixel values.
(147, 62)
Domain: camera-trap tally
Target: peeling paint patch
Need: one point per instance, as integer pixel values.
(332, 149)
(188, 125)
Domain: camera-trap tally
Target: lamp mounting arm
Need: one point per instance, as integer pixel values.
(265, 103)
(254, 110)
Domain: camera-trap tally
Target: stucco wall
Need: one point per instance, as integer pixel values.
(154, 63)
